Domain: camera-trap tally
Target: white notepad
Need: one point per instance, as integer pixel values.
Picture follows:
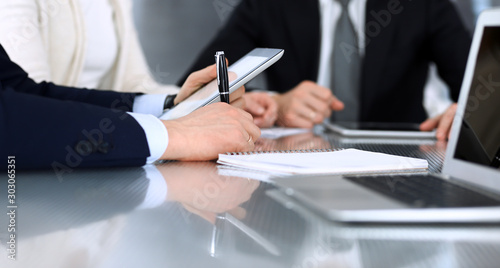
(331, 162)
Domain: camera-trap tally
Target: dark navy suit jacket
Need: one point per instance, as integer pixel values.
(48, 126)
(396, 59)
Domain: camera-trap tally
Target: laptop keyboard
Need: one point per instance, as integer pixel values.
(424, 191)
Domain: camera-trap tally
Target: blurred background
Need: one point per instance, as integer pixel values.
(173, 32)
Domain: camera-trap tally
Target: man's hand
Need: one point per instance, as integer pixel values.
(209, 131)
(442, 122)
(306, 105)
(262, 107)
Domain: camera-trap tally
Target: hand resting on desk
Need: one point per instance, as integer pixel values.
(309, 104)
(306, 105)
(262, 107)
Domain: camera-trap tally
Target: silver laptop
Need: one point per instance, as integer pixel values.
(467, 190)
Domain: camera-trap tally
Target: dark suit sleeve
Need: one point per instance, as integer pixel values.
(449, 43)
(14, 77)
(239, 35)
(47, 126)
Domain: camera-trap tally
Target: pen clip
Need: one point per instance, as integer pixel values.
(218, 66)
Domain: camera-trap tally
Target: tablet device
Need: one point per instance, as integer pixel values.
(379, 129)
(240, 72)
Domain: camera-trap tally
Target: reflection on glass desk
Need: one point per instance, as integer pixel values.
(182, 214)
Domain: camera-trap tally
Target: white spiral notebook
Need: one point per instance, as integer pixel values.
(346, 161)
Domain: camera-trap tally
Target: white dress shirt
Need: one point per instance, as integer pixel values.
(330, 12)
(146, 110)
(436, 93)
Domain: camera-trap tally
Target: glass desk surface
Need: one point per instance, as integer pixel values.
(123, 218)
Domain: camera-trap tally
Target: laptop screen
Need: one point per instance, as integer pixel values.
(479, 136)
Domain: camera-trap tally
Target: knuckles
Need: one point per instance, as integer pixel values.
(232, 112)
(306, 84)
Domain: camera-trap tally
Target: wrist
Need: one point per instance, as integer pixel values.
(174, 150)
(170, 127)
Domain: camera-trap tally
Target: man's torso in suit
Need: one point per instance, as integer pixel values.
(403, 37)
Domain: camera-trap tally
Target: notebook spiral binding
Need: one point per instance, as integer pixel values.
(287, 151)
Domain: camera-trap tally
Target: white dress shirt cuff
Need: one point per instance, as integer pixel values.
(156, 135)
(157, 188)
(149, 104)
